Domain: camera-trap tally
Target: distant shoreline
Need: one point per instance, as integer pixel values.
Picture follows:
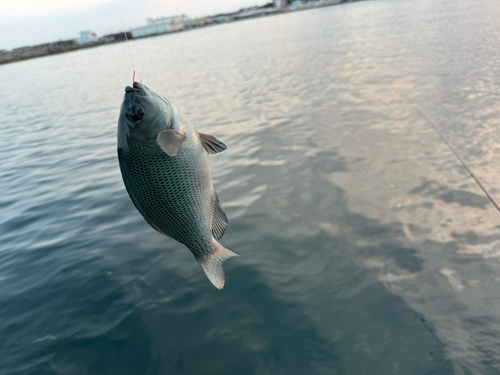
(56, 48)
(56, 51)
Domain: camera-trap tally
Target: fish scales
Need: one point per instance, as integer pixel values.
(159, 189)
(164, 165)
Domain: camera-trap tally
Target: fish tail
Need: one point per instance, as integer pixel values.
(212, 261)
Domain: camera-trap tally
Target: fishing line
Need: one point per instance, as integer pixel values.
(490, 197)
(129, 51)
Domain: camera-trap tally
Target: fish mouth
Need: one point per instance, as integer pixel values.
(137, 88)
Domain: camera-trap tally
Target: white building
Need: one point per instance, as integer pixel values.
(280, 4)
(87, 36)
(160, 26)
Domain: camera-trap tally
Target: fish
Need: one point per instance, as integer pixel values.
(164, 166)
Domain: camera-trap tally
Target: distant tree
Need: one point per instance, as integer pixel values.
(268, 5)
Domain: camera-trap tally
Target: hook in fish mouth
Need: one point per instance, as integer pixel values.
(136, 89)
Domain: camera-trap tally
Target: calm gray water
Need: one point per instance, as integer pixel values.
(365, 248)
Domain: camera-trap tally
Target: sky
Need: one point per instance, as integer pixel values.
(29, 22)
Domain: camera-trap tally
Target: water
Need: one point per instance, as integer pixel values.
(365, 246)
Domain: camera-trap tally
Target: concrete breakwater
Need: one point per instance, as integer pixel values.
(29, 52)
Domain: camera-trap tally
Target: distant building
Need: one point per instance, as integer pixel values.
(241, 14)
(221, 18)
(280, 4)
(160, 26)
(252, 12)
(87, 36)
(197, 22)
(116, 37)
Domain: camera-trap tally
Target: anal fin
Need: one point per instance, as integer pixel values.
(219, 218)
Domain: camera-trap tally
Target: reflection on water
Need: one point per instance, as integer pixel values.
(365, 247)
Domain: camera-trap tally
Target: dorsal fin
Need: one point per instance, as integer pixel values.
(219, 218)
(211, 144)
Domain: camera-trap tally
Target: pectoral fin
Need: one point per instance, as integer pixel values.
(170, 141)
(211, 144)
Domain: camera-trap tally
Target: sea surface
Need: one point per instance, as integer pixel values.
(365, 247)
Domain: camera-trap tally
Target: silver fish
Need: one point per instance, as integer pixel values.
(164, 165)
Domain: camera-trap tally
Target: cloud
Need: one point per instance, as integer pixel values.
(20, 9)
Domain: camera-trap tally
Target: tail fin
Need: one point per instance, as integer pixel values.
(212, 261)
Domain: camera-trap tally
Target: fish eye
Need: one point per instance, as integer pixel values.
(136, 113)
